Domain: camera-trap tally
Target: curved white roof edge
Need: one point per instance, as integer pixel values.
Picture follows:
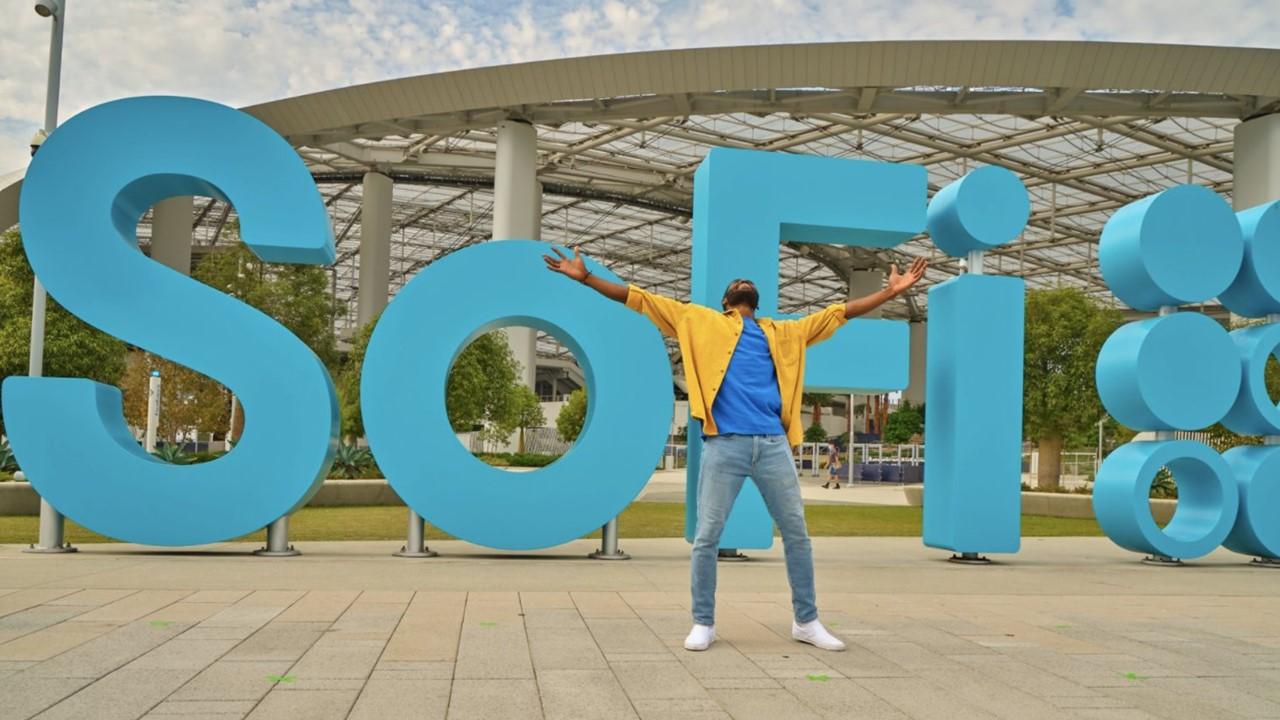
(1063, 69)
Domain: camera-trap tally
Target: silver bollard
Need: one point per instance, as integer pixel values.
(278, 540)
(609, 543)
(415, 545)
(51, 538)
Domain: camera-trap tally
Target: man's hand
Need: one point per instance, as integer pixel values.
(573, 267)
(899, 282)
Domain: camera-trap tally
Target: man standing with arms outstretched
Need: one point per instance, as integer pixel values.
(745, 377)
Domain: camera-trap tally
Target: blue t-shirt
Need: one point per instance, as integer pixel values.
(749, 402)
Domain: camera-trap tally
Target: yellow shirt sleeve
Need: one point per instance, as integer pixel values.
(819, 326)
(663, 311)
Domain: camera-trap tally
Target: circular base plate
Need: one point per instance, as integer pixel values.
(263, 552)
(50, 550)
(731, 556)
(1267, 562)
(424, 553)
(602, 555)
(1161, 561)
(969, 559)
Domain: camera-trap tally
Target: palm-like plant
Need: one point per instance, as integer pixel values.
(351, 461)
(171, 454)
(8, 463)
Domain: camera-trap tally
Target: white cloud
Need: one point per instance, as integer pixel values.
(244, 52)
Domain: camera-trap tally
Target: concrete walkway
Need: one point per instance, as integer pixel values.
(1069, 628)
(669, 485)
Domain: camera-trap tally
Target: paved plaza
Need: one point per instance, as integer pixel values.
(1069, 628)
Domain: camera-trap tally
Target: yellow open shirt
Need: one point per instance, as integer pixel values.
(707, 341)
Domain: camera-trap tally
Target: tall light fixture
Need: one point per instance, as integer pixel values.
(51, 521)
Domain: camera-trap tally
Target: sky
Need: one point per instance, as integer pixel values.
(244, 52)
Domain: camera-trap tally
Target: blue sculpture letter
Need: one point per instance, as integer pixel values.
(83, 196)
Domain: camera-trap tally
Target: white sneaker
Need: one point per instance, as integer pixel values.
(815, 634)
(700, 637)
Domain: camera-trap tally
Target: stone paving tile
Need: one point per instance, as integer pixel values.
(657, 680)
(840, 699)
(53, 640)
(311, 705)
(92, 597)
(493, 643)
(749, 704)
(429, 628)
(188, 708)
(19, 624)
(564, 649)
(224, 680)
(319, 606)
(106, 652)
(19, 600)
(279, 640)
(134, 606)
(921, 700)
(183, 654)
(624, 635)
(1193, 697)
(125, 694)
(680, 709)
(583, 695)
(494, 699)
(22, 695)
(386, 697)
(999, 699)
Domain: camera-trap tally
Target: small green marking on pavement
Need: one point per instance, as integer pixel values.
(1062, 627)
(488, 623)
(1133, 676)
(161, 623)
(281, 678)
(818, 678)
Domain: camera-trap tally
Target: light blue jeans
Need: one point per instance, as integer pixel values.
(727, 460)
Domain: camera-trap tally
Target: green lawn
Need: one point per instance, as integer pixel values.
(640, 520)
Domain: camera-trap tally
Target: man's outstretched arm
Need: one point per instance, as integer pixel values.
(897, 284)
(663, 311)
(575, 268)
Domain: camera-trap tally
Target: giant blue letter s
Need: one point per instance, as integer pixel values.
(81, 202)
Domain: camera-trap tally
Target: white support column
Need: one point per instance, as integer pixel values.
(1257, 162)
(915, 374)
(866, 282)
(375, 247)
(517, 215)
(171, 233)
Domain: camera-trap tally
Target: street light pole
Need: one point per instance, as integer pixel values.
(51, 522)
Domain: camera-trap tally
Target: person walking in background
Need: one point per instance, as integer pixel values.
(745, 378)
(833, 466)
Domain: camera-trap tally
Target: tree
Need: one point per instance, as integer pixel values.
(347, 383)
(572, 416)
(527, 412)
(817, 400)
(1065, 329)
(903, 423)
(481, 388)
(71, 347)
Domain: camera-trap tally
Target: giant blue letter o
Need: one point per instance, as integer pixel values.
(402, 393)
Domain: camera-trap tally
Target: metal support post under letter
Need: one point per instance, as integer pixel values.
(609, 543)
(51, 523)
(278, 540)
(730, 555)
(415, 545)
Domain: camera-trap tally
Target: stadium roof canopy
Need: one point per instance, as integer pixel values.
(1088, 126)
